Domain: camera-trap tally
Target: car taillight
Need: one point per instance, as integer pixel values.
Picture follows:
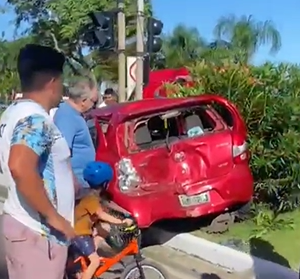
(127, 175)
(240, 152)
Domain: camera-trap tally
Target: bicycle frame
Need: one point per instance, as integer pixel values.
(106, 263)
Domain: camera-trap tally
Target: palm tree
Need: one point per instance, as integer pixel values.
(182, 46)
(246, 35)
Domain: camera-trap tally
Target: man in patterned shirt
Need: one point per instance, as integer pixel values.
(35, 161)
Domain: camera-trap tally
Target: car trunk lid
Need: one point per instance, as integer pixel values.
(190, 161)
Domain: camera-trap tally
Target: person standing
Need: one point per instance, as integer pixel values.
(83, 96)
(64, 97)
(110, 97)
(35, 161)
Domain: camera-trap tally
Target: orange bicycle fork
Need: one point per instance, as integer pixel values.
(138, 259)
(137, 255)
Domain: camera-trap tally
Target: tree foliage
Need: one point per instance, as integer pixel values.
(182, 46)
(9, 50)
(267, 97)
(64, 24)
(246, 35)
(236, 39)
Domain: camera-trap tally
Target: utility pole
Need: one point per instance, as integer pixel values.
(121, 51)
(139, 49)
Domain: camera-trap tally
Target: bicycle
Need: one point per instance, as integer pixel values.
(125, 244)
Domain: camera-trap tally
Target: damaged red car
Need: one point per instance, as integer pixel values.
(174, 157)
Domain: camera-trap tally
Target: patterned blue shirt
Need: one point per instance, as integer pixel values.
(38, 132)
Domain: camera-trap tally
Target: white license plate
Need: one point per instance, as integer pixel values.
(186, 201)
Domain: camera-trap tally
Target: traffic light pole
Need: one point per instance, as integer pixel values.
(121, 51)
(139, 49)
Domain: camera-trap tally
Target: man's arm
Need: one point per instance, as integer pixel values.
(31, 137)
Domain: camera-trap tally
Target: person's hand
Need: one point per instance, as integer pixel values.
(128, 222)
(62, 225)
(95, 232)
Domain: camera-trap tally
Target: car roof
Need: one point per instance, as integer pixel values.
(132, 109)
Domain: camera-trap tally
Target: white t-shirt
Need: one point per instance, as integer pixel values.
(26, 122)
(102, 105)
(52, 112)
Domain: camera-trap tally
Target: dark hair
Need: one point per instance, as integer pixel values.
(110, 91)
(37, 65)
(113, 93)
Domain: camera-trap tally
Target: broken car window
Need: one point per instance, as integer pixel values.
(165, 128)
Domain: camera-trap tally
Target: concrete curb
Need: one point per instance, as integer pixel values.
(229, 258)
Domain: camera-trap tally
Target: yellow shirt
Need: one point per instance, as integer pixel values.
(84, 210)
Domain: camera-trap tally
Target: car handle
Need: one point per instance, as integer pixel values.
(143, 164)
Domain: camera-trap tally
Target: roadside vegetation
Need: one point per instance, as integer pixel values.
(272, 242)
(266, 95)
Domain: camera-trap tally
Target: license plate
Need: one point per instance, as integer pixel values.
(186, 201)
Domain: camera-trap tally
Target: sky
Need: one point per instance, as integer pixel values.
(204, 15)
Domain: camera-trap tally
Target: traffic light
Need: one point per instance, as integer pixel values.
(154, 29)
(104, 33)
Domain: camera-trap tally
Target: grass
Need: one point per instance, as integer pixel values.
(281, 246)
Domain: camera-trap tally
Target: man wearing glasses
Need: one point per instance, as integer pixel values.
(83, 96)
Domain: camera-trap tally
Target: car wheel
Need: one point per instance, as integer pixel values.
(244, 212)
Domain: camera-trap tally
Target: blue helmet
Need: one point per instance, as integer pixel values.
(98, 174)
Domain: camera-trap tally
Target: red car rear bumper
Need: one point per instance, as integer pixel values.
(225, 192)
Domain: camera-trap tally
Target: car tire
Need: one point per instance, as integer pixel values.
(244, 212)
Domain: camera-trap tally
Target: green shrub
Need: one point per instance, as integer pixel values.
(267, 97)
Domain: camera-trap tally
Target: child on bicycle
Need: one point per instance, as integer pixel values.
(88, 211)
